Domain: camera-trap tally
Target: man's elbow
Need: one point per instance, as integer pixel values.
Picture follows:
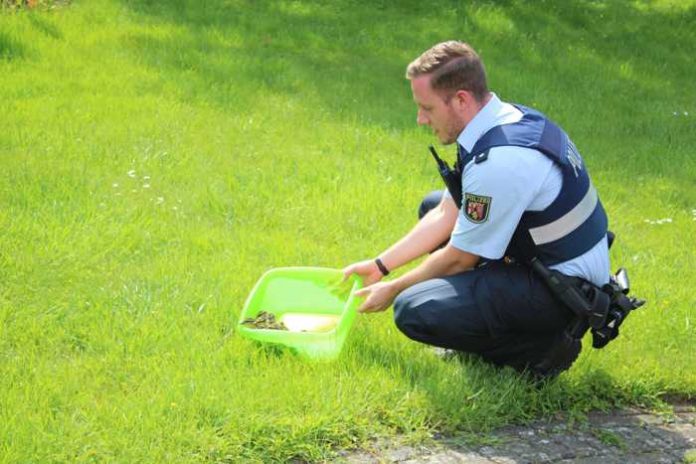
(462, 260)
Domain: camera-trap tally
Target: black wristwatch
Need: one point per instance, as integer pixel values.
(382, 268)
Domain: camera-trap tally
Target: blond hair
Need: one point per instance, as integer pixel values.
(454, 66)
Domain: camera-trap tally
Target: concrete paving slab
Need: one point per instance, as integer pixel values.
(621, 437)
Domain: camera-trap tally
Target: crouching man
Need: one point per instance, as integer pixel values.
(525, 194)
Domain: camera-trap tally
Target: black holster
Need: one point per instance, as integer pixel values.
(602, 310)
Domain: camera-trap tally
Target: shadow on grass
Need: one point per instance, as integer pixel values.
(235, 56)
(610, 73)
(466, 394)
(10, 48)
(45, 26)
(463, 393)
(350, 58)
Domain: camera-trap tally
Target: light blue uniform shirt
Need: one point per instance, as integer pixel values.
(516, 180)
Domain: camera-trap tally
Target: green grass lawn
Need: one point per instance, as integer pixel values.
(158, 157)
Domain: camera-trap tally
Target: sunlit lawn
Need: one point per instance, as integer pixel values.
(158, 157)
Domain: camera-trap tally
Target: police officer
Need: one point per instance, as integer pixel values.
(525, 194)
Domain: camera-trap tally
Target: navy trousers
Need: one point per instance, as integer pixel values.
(502, 312)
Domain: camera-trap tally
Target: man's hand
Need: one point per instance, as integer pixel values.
(367, 269)
(379, 297)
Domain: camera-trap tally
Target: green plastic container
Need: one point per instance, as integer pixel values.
(294, 293)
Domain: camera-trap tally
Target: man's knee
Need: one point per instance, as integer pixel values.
(405, 315)
(410, 317)
(431, 312)
(430, 201)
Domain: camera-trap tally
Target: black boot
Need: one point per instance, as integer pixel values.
(558, 358)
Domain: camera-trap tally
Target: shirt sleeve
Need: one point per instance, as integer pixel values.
(495, 194)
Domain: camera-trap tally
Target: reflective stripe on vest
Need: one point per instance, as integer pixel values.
(568, 222)
(575, 220)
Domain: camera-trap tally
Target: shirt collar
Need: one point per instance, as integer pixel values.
(491, 115)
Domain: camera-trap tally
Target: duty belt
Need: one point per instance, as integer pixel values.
(602, 310)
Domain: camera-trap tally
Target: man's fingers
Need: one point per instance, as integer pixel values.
(363, 291)
(369, 308)
(347, 272)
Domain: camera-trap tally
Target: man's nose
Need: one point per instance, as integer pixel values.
(421, 119)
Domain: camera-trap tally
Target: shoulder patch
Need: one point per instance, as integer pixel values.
(476, 207)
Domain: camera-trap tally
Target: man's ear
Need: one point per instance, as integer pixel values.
(464, 98)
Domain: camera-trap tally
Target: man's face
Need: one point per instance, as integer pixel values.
(443, 116)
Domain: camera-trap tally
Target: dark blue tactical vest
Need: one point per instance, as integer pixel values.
(575, 221)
